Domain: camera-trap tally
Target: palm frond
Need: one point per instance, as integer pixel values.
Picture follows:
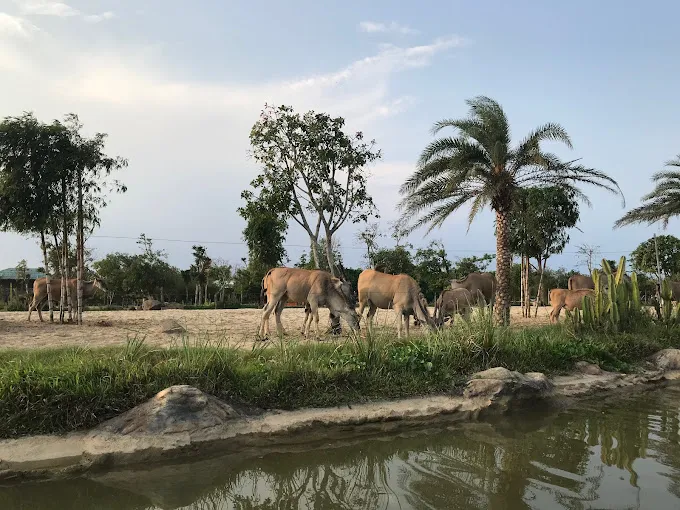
(659, 205)
(479, 203)
(438, 214)
(430, 170)
(527, 151)
(673, 162)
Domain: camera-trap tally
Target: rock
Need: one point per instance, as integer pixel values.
(588, 368)
(176, 409)
(501, 373)
(667, 359)
(170, 326)
(151, 304)
(501, 382)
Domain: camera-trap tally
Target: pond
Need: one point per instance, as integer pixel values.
(614, 452)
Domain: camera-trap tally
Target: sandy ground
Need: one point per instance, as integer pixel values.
(232, 327)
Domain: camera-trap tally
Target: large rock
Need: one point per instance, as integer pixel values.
(151, 304)
(588, 368)
(500, 382)
(176, 409)
(170, 326)
(667, 359)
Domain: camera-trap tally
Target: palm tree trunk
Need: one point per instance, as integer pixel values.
(43, 245)
(503, 268)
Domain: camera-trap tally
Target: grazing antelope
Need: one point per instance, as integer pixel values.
(40, 292)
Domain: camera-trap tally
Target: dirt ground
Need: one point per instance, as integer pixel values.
(231, 327)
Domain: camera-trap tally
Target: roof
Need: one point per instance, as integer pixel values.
(11, 273)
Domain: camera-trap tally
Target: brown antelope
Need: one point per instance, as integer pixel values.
(399, 292)
(40, 292)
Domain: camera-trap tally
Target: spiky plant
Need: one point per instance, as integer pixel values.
(480, 166)
(662, 203)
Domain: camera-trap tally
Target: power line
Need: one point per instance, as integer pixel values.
(241, 243)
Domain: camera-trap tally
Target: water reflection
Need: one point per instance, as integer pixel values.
(620, 453)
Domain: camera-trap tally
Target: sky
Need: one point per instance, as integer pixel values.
(177, 86)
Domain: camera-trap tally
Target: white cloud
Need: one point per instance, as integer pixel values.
(372, 27)
(390, 58)
(59, 10)
(13, 26)
(96, 18)
(46, 8)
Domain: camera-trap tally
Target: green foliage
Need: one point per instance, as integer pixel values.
(540, 220)
(312, 171)
(618, 308)
(394, 260)
(433, 269)
(474, 264)
(130, 278)
(480, 167)
(30, 171)
(61, 390)
(265, 231)
(644, 256)
(662, 203)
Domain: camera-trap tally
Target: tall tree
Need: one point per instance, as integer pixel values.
(661, 204)
(481, 167)
(30, 172)
(200, 269)
(315, 170)
(539, 228)
(90, 168)
(644, 256)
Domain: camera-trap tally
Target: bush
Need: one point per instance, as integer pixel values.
(16, 304)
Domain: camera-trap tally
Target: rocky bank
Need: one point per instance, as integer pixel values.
(182, 421)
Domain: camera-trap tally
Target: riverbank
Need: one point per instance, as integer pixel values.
(109, 448)
(57, 391)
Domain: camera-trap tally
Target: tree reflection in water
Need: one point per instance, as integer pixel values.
(579, 458)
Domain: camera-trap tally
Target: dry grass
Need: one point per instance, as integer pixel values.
(229, 327)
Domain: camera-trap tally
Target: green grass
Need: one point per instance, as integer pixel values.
(61, 390)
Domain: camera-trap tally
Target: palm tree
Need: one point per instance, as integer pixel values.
(662, 204)
(480, 166)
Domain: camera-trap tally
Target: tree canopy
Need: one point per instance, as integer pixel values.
(644, 256)
(540, 223)
(312, 171)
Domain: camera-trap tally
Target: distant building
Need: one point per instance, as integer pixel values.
(8, 277)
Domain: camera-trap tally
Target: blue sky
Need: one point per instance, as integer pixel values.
(177, 86)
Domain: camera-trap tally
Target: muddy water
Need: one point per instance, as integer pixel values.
(616, 452)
